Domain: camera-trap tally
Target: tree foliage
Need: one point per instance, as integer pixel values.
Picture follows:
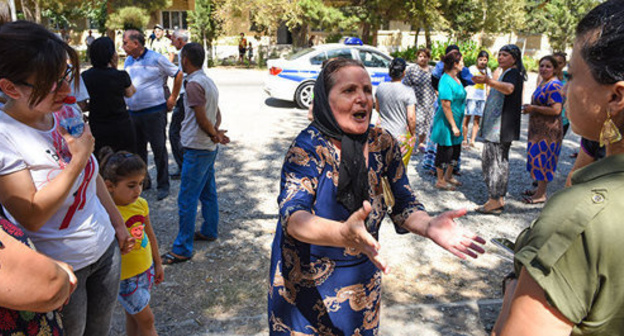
(149, 5)
(557, 19)
(205, 24)
(298, 16)
(128, 18)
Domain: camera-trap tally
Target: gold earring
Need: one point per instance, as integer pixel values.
(610, 132)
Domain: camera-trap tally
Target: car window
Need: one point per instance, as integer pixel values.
(373, 59)
(318, 59)
(300, 53)
(344, 53)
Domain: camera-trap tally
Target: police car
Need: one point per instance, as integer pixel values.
(293, 78)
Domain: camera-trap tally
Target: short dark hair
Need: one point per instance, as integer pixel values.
(602, 38)
(397, 68)
(562, 55)
(136, 35)
(425, 51)
(28, 49)
(194, 52)
(551, 59)
(450, 48)
(483, 53)
(450, 59)
(115, 166)
(101, 52)
(333, 66)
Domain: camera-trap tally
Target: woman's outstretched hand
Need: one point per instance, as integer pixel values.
(444, 231)
(359, 240)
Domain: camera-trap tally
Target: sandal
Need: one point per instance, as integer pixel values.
(529, 200)
(528, 192)
(496, 211)
(445, 187)
(170, 259)
(200, 237)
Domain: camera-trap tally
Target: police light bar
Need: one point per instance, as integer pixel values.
(353, 41)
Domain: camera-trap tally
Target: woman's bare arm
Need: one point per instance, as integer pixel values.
(529, 303)
(31, 281)
(32, 208)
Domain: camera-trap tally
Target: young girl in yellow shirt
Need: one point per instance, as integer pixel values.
(123, 173)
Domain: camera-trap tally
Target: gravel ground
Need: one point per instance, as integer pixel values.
(222, 291)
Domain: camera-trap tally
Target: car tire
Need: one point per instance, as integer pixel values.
(304, 94)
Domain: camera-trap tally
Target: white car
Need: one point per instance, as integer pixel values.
(292, 79)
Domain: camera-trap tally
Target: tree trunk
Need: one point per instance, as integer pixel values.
(427, 29)
(375, 31)
(299, 34)
(37, 12)
(366, 32)
(416, 36)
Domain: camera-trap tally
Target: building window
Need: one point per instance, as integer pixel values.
(174, 19)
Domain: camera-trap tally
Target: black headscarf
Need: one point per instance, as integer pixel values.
(515, 52)
(353, 175)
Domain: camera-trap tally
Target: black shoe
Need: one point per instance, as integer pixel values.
(175, 176)
(162, 194)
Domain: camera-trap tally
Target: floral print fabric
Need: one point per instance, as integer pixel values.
(545, 133)
(321, 290)
(22, 323)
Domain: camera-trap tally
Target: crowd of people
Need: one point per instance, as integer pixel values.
(72, 191)
(76, 235)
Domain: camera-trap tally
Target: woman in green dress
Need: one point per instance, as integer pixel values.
(446, 131)
(569, 261)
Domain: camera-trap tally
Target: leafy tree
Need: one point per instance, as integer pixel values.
(558, 19)
(314, 14)
(424, 14)
(371, 14)
(149, 5)
(205, 24)
(298, 16)
(128, 18)
(464, 17)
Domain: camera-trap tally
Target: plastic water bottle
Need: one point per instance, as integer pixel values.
(70, 117)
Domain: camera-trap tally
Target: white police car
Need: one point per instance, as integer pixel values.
(292, 79)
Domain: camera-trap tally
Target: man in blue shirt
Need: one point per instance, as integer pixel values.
(465, 76)
(148, 107)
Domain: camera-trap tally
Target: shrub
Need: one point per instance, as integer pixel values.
(128, 18)
(469, 49)
(333, 38)
(530, 63)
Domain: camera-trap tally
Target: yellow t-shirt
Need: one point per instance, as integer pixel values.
(139, 259)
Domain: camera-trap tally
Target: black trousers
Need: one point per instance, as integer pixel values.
(174, 132)
(447, 155)
(150, 127)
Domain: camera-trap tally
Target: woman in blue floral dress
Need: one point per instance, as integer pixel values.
(339, 179)
(545, 130)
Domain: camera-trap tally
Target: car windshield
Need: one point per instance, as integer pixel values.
(300, 53)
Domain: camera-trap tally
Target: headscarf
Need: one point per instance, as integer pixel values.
(353, 174)
(515, 52)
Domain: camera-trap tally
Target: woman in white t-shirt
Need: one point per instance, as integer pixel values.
(475, 99)
(49, 182)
